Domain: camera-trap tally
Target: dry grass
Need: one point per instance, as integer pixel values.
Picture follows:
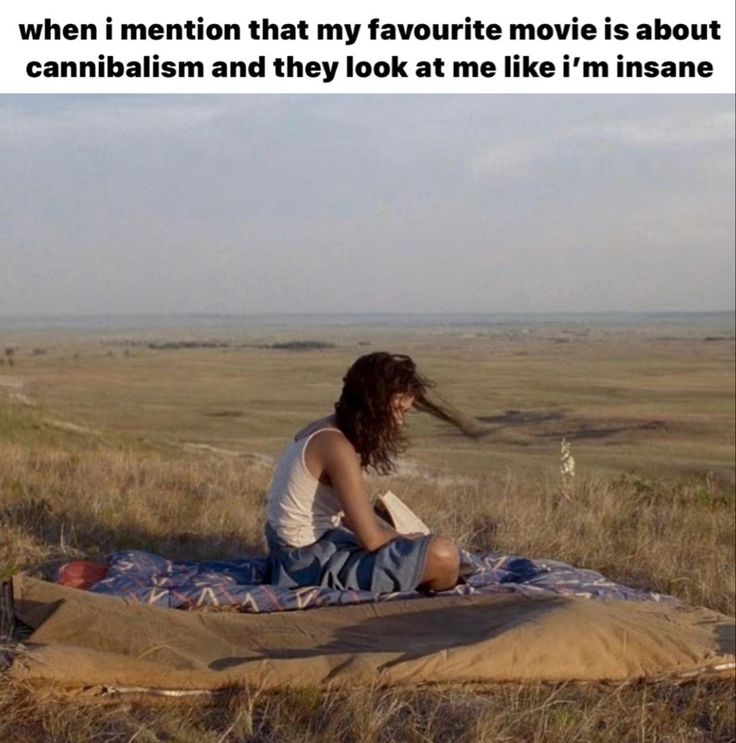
(626, 402)
(111, 482)
(531, 714)
(57, 505)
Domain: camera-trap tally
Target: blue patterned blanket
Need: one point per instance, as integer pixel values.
(238, 583)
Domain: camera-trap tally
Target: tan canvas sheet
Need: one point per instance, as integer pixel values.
(82, 639)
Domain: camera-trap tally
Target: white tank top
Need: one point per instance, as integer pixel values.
(299, 508)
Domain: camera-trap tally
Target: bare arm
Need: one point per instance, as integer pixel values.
(339, 462)
(382, 523)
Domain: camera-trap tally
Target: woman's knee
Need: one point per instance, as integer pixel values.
(443, 564)
(444, 553)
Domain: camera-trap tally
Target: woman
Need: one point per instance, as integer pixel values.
(321, 527)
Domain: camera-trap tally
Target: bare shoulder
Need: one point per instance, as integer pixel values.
(327, 421)
(332, 440)
(333, 450)
(328, 452)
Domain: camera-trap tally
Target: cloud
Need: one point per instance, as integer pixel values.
(647, 129)
(99, 118)
(336, 203)
(660, 131)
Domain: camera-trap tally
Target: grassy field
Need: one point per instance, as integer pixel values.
(106, 443)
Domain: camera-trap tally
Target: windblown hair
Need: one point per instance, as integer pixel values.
(364, 412)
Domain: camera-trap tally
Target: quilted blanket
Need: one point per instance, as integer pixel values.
(240, 583)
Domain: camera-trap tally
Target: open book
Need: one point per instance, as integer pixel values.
(396, 513)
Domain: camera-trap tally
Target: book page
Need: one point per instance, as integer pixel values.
(403, 518)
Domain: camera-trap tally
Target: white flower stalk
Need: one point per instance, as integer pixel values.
(567, 468)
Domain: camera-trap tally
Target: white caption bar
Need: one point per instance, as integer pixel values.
(325, 46)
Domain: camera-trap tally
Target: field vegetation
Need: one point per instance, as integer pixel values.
(172, 449)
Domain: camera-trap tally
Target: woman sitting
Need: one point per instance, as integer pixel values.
(321, 527)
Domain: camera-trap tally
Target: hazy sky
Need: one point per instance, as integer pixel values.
(365, 203)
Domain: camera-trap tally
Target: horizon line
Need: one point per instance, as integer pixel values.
(334, 313)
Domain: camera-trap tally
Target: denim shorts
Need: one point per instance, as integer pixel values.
(336, 560)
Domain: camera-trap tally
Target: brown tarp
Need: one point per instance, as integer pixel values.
(82, 639)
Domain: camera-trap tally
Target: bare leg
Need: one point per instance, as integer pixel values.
(443, 565)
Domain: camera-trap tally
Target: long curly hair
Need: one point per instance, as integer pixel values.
(364, 411)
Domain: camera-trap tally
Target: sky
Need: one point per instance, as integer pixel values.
(307, 204)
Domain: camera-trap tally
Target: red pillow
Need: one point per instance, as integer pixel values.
(81, 574)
